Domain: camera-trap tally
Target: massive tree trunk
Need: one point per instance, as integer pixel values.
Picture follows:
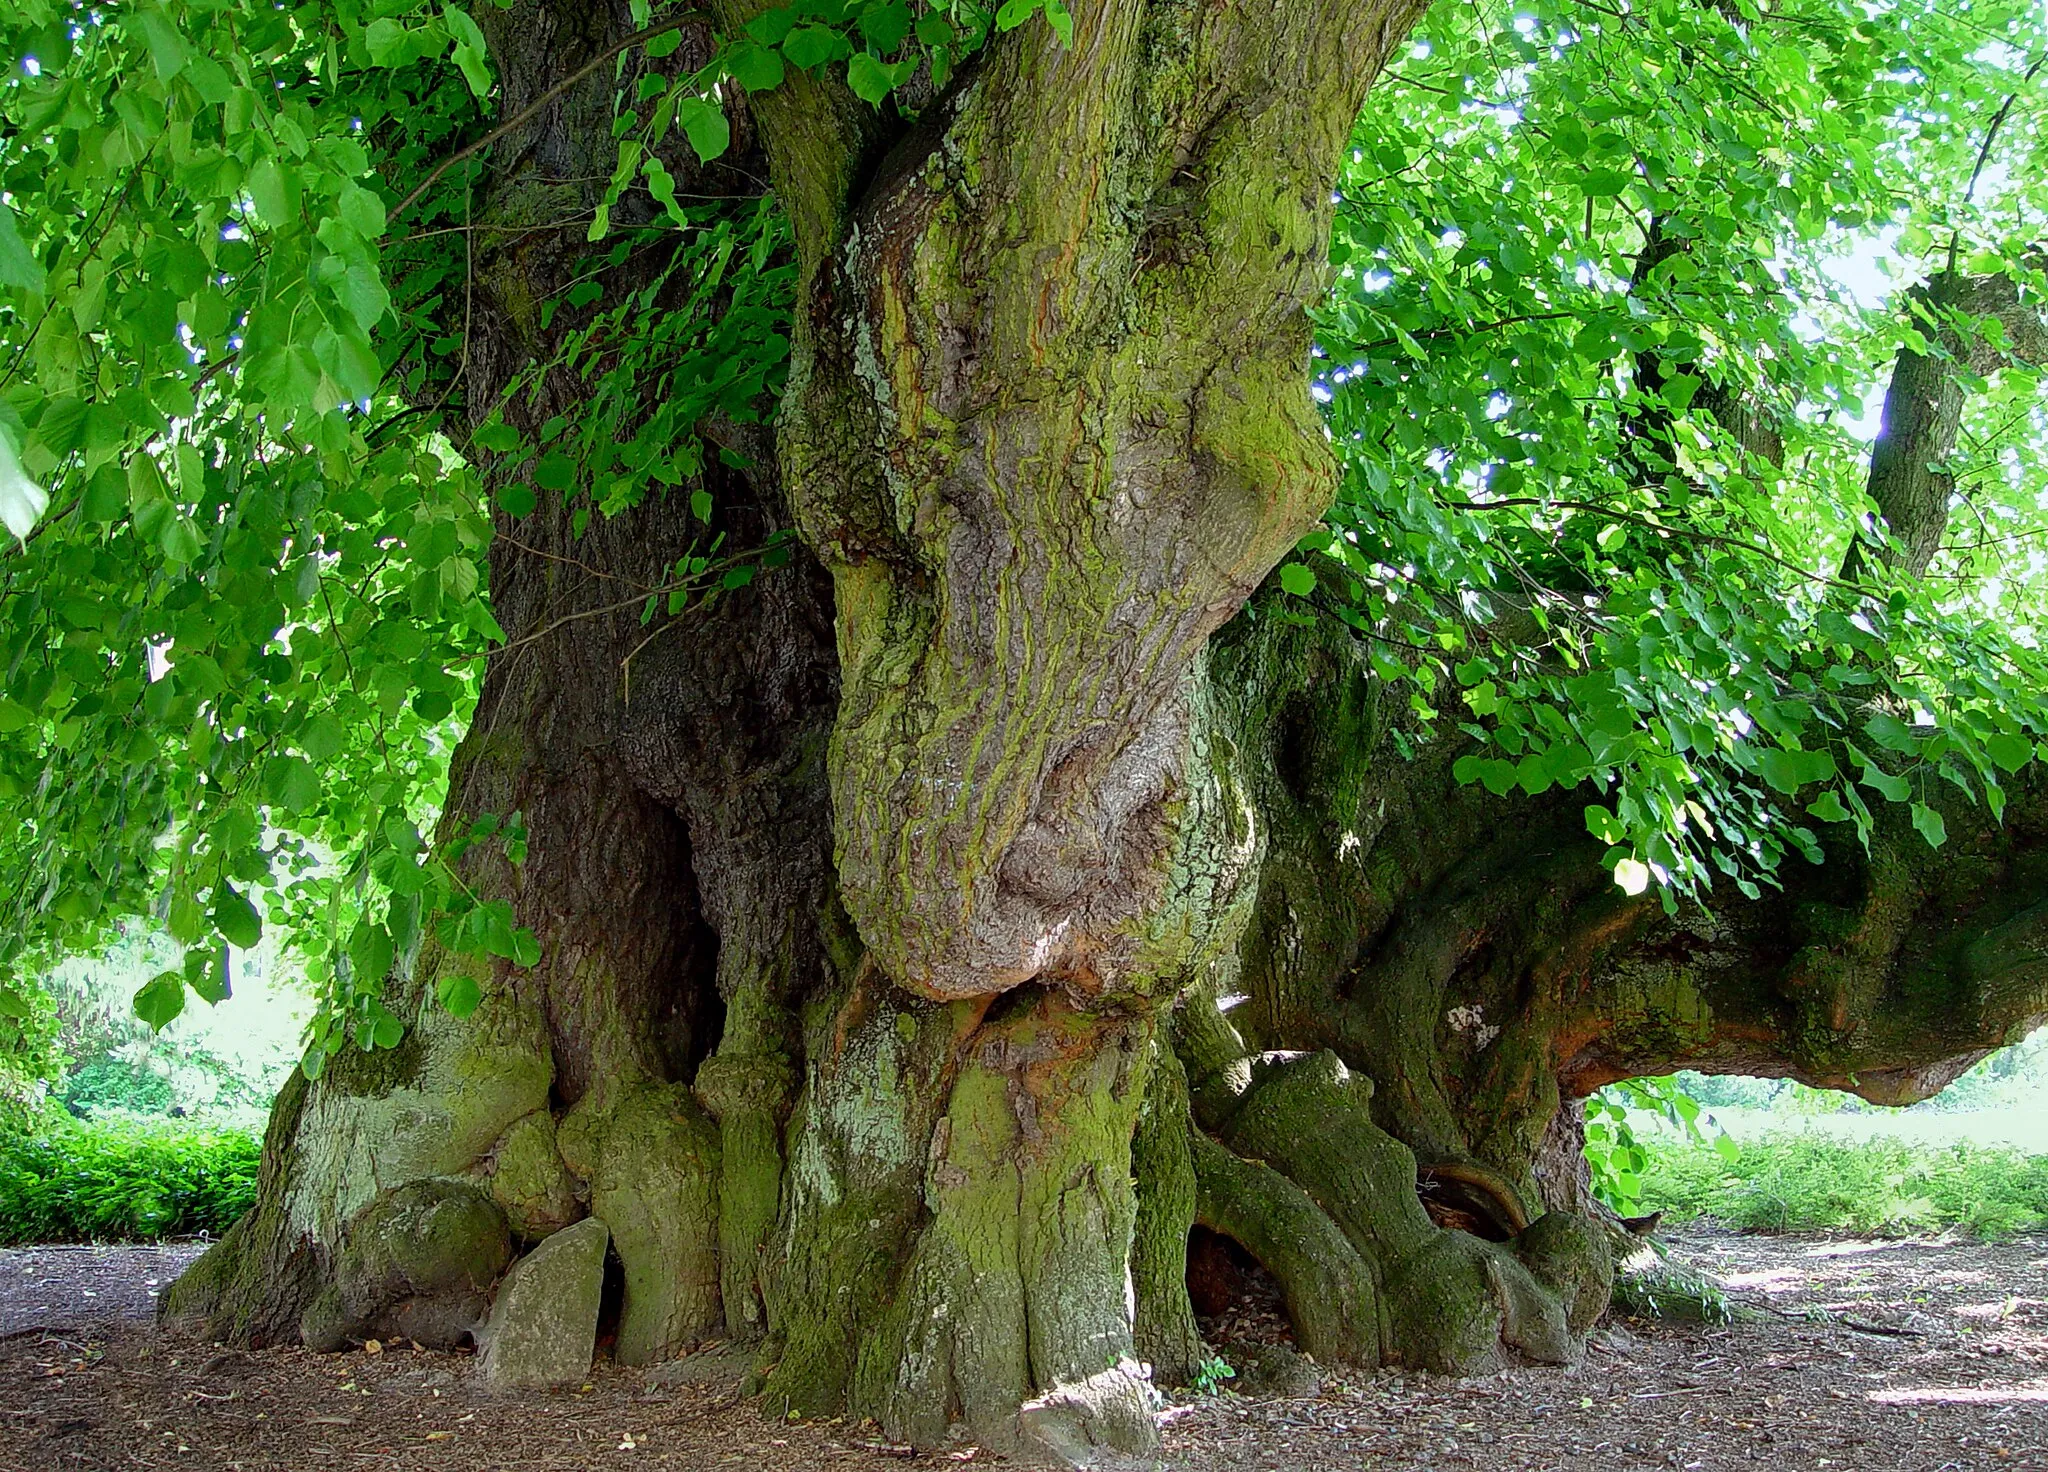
(938, 930)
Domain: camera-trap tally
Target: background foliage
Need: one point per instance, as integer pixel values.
(1604, 404)
(123, 1181)
(1802, 1182)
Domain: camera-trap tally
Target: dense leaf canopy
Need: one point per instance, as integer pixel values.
(1618, 290)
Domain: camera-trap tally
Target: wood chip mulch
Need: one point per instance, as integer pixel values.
(1919, 1356)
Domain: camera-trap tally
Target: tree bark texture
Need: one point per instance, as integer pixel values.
(938, 930)
(1910, 481)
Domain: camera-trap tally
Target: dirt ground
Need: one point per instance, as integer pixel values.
(1891, 1356)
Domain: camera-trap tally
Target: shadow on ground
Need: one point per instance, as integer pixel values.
(1910, 1356)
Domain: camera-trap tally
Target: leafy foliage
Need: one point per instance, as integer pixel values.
(1595, 386)
(249, 615)
(222, 1070)
(1799, 1181)
(113, 1180)
(1618, 1157)
(239, 646)
(29, 1059)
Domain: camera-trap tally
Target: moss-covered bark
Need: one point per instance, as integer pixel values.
(677, 863)
(1332, 1293)
(252, 1286)
(1165, 1177)
(1019, 1282)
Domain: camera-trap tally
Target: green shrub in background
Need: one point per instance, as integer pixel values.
(120, 1180)
(1806, 1182)
(108, 1082)
(1617, 1157)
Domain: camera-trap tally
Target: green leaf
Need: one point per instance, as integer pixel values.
(772, 25)
(403, 835)
(2009, 750)
(362, 211)
(180, 541)
(275, 193)
(385, 38)
(516, 499)
(1603, 825)
(754, 66)
(1898, 789)
(1633, 875)
(369, 952)
(167, 49)
(809, 46)
(525, 949)
(186, 921)
(884, 24)
(1297, 578)
(209, 79)
(471, 53)
(1892, 734)
(22, 501)
(1930, 825)
(18, 266)
(704, 123)
(235, 918)
(161, 999)
(458, 991)
(106, 497)
(555, 472)
(211, 977)
(1788, 771)
(1828, 807)
(323, 737)
(869, 78)
(292, 783)
(362, 292)
(498, 437)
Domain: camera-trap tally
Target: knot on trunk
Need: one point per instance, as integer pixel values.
(745, 1084)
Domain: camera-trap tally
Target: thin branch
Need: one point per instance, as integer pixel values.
(1467, 330)
(582, 219)
(527, 114)
(214, 368)
(1997, 122)
(694, 581)
(1734, 543)
(512, 541)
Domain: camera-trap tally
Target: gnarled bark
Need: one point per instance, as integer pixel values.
(1472, 954)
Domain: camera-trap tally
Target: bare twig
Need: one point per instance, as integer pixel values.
(527, 114)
